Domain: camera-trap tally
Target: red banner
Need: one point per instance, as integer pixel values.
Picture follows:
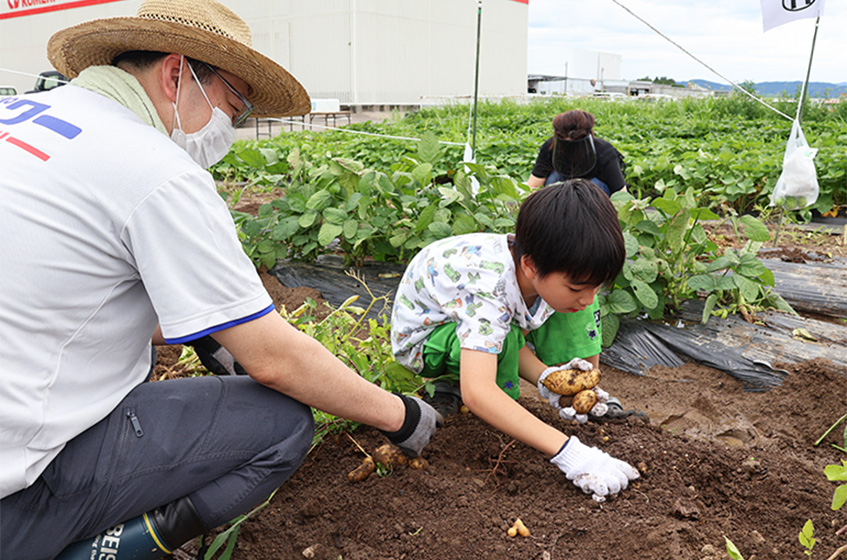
(18, 8)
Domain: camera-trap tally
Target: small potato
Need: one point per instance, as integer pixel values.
(363, 471)
(584, 401)
(389, 455)
(571, 381)
(518, 529)
(418, 463)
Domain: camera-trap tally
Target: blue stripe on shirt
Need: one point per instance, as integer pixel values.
(222, 326)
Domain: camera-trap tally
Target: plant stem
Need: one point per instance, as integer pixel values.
(837, 552)
(837, 422)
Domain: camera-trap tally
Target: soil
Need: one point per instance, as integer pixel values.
(715, 461)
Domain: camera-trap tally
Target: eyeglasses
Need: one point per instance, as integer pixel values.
(246, 106)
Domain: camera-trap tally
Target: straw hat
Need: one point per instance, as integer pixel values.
(201, 29)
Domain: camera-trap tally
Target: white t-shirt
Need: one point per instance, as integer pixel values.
(467, 279)
(107, 228)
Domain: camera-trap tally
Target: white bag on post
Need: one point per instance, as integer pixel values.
(797, 186)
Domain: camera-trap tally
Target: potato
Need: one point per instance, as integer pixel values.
(389, 455)
(584, 400)
(363, 471)
(418, 463)
(518, 529)
(571, 381)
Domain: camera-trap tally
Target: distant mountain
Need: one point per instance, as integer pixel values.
(772, 89)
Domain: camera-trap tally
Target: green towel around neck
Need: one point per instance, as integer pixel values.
(121, 86)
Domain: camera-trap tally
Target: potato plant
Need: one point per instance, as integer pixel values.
(388, 216)
(670, 259)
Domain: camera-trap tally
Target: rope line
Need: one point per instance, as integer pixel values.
(350, 131)
(680, 47)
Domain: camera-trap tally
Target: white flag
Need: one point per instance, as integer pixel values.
(777, 12)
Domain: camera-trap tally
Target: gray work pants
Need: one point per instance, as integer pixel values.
(226, 442)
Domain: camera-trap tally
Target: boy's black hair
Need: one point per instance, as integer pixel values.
(571, 227)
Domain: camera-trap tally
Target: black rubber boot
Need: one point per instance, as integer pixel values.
(446, 399)
(147, 537)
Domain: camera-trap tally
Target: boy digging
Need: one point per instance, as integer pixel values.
(467, 305)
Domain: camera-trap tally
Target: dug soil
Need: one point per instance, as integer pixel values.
(715, 460)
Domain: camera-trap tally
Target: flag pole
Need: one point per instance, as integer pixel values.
(809, 69)
(476, 73)
(799, 112)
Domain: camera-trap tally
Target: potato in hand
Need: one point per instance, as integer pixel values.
(584, 401)
(571, 381)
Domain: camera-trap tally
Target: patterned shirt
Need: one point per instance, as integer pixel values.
(469, 280)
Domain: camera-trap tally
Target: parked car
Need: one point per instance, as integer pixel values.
(7, 90)
(48, 80)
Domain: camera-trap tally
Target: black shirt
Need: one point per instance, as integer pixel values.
(609, 166)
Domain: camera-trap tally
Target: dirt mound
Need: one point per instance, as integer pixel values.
(715, 461)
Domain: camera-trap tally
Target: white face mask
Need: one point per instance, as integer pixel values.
(211, 143)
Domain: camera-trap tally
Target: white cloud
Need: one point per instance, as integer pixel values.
(725, 34)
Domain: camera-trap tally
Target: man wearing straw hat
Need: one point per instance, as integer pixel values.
(114, 236)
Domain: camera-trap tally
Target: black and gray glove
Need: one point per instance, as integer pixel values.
(418, 427)
(215, 357)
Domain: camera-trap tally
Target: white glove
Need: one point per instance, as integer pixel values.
(594, 471)
(570, 413)
(576, 363)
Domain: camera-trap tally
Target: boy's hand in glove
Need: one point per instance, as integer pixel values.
(576, 363)
(419, 426)
(594, 471)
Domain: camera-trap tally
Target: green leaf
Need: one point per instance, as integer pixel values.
(609, 326)
(399, 238)
(440, 229)
(350, 228)
(703, 214)
(631, 244)
(450, 196)
(754, 229)
(645, 294)
(306, 220)
(840, 497)
(749, 289)
(423, 174)
(328, 232)
(252, 157)
(319, 200)
(645, 269)
(708, 307)
(621, 302)
(463, 223)
(648, 226)
(806, 535)
(425, 218)
(732, 550)
(669, 207)
(334, 215)
(750, 266)
(270, 155)
(836, 473)
(286, 228)
(702, 283)
(676, 228)
(429, 150)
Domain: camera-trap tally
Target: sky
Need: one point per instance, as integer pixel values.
(725, 34)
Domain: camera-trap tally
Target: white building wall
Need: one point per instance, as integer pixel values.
(23, 39)
(357, 51)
